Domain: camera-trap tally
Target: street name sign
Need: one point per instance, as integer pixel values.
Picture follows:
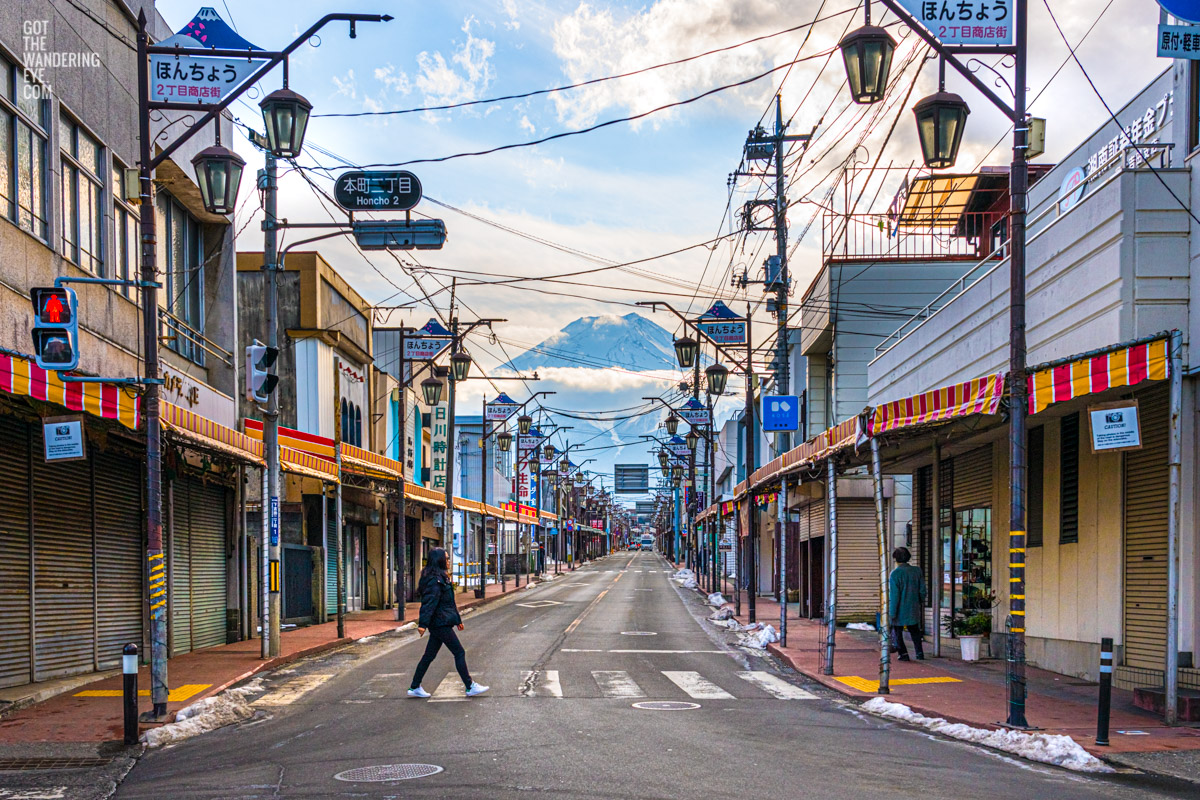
(972, 22)
(500, 409)
(780, 413)
(189, 76)
(393, 190)
(694, 412)
(722, 326)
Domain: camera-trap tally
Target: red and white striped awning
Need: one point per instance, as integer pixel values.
(1124, 366)
(978, 396)
(107, 400)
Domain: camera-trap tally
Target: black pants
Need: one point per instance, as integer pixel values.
(443, 635)
(898, 638)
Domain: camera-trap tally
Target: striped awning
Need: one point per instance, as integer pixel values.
(372, 465)
(979, 396)
(463, 504)
(413, 491)
(192, 428)
(299, 462)
(1121, 366)
(21, 376)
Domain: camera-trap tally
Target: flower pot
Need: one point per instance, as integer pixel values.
(970, 647)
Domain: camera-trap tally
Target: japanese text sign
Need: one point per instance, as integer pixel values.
(1178, 41)
(965, 21)
(439, 444)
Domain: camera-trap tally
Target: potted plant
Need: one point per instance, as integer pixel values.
(970, 626)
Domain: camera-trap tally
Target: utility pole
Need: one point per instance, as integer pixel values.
(269, 185)
(341, 541)
(752, 515)
(782, 286)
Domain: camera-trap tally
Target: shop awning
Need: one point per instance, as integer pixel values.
(413, 491)
(527, 519)
(306, 464)
(364, 462)
(463, 504)
(979, 396)
(548, 517)
(1122, 365)
(21, 376)
(191, 428)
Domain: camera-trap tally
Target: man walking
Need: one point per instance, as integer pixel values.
(906, 603)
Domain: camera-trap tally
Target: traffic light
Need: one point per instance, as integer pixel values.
(260, 384)
(55, 327)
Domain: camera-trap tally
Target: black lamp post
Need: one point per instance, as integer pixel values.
(431, 388)
(285, 115)
(524, 423)
(717, 376)
(672, 424)
(219, 172)
(941, 118)
(460, 365)
(686, 351)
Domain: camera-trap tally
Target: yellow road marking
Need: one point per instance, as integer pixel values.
(176, 695)
(591, 605)
(866, 685)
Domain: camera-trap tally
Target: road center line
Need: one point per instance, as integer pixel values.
(591, 605)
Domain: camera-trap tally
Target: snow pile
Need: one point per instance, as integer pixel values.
(408, 626)
(1062, 751)
(717, 599)
(860, 626)
(205, 715)
(759, 639)
(721, 614)
(366, 639)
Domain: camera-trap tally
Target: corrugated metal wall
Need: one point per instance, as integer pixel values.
(1146, 485)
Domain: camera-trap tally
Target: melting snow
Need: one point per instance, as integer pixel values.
(206, 715)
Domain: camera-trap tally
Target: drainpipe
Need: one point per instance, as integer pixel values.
(1174, 457)
(935, 556)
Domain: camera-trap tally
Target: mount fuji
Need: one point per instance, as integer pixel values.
(631, 342)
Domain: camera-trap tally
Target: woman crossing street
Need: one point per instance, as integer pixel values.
(439, 616)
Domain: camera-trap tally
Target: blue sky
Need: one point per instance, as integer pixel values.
(631, 190)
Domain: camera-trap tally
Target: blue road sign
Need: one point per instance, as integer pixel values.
(1187, 10)
(781, 413)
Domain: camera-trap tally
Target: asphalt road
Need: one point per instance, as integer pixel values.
(566, 668)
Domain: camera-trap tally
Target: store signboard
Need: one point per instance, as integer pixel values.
(971, 22)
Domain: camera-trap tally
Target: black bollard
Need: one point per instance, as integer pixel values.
(1106, 660)
(129, 666)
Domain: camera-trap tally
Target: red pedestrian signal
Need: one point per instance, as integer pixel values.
(55, 328)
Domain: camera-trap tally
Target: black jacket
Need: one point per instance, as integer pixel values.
(437, 602)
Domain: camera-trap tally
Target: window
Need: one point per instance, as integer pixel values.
(82, 196)
(1035, 456)
(1193, 106)
(181, 245)
(22, 151)
(125, 249)
(1069, 477)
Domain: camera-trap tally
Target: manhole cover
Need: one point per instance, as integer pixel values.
(388, 772)
(666, 705)
(638, 633)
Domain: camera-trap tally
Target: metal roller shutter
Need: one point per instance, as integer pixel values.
(858, 561)
(331, 564)
(15, 627)
(1146, 484)
(64, 588)
(818, 519)
(119, 535)
(973, 479)
(208, 517)
(179, 560)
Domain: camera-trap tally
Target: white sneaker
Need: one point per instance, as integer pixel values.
(418, 692)
(476, 689)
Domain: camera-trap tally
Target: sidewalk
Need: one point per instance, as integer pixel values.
(92, 712)
(972, 693)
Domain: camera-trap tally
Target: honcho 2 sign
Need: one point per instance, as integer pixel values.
(392, 190)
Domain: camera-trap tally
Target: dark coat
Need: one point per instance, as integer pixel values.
(906, 601)
(437, 602)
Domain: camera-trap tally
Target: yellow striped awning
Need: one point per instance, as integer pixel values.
(363, 462)
(1122, 366)
(21, 376)
(189, 426)
(414, 491)
(978, 396)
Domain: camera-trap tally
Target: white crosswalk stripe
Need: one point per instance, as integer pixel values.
(616, 683)
(776, 686)
(451, 689)
(546, 685)
(697, 686)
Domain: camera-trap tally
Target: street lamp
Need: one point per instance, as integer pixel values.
(941, 118)
(219, 171)
(868, 56)
(431, 388)
(548, 452)
(677, 473)
(686, 350)
(551, 475)
(692, 439)
(285, 115)
(533, 464)
(460, 365)
(672, 424)
(718, 376)
(662, 459)
(524, 423)
(504, 441)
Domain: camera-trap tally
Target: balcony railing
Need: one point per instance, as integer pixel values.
(880, 237)
(188, 342)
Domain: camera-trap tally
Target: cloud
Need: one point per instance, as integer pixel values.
(464, 77)
(346, 86)
(510, 9)
(393, 80)
(593, 41)
(526, 125)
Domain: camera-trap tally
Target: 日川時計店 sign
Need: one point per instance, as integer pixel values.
(965, 21)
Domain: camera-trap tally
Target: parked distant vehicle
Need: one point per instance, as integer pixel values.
(634, 545)
(647, 542)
